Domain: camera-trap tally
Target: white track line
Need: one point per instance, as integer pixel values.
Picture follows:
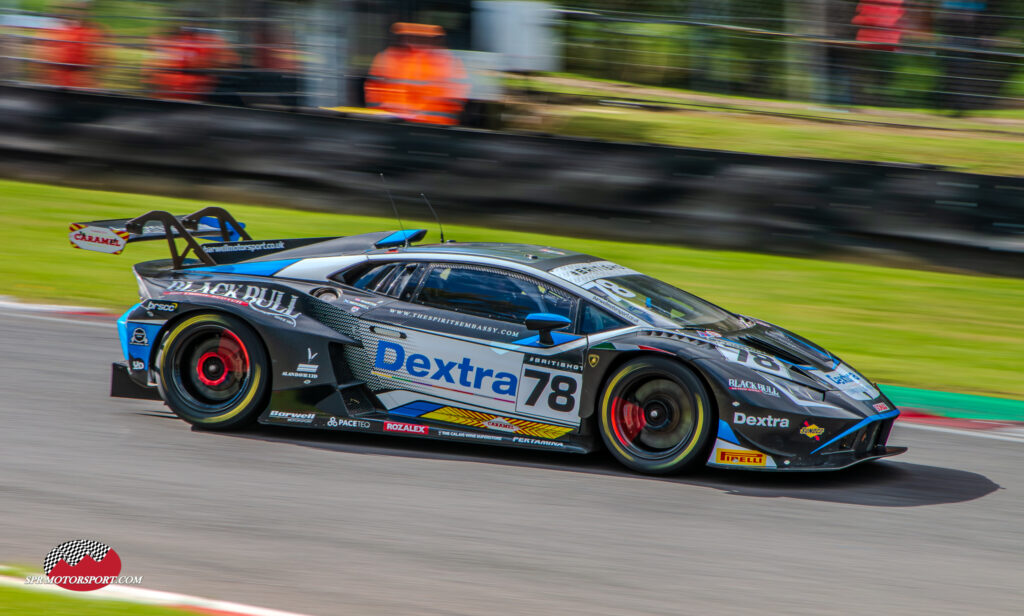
(151, 597)
(8, 302)
(976, 433)
(66, 320)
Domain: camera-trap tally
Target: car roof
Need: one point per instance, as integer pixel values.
(532, 255)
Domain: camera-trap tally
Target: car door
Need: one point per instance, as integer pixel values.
(455, 336)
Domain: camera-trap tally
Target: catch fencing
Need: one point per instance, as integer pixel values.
(934, 54)
(959, 56)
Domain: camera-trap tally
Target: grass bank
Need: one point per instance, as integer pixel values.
(912, 328)
(988, 142)
(966, 150)
(15, 601)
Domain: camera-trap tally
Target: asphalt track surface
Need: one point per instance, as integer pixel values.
(356, 524)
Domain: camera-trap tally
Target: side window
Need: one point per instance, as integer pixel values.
(412, 281)
(388, 278)
(504, 296)
(596, 320)
(369, 279)
(397, 282)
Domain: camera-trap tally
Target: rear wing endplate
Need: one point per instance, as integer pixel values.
(111, 236)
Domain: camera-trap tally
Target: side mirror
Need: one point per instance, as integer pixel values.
(544, 323)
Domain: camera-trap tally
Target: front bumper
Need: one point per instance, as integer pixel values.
(864, 440)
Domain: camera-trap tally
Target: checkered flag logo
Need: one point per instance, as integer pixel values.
(72, 552)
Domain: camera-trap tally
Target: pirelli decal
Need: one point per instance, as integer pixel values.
(487, 421)
(740, 457)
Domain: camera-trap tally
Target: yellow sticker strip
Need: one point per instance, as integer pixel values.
(487, 421)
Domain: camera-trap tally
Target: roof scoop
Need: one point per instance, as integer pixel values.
(401, 238)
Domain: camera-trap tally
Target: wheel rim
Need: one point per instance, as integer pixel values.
(212, 368)
(653, 417)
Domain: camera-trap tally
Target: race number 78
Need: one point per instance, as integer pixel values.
(560, 390)
(757, 361)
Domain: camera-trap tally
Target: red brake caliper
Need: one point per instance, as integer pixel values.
(230, 351)
(627, 420)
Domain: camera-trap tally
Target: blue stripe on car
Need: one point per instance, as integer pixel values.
(557, 337)
(122, 329)
(726, 434)
(835, 362)
(212, 221)
(256, 268)
(860, 424)
(414, 409)
(400, 238)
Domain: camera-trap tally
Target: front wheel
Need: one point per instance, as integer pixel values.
(213, 371)
(655, 415)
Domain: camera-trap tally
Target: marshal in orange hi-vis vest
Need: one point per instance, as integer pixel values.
(417, 79)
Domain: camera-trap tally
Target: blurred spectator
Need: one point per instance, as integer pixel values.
(418, 79)
(840, 53)
(188, 62)
(971, 80)
(879, 32)
(278, 63)
(879, 22)
(73, 51)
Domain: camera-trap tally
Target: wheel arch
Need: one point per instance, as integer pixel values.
(248, 403)
(622, 358)
(193, 310)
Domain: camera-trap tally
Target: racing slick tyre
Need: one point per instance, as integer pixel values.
(655, 416)
(213, 371)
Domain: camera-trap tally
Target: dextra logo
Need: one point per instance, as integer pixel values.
(392, 356)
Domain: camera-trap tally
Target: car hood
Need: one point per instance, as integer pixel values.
(778, 352)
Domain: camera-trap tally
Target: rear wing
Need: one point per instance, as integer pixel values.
(111, 236)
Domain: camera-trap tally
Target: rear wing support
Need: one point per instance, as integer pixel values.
(184, 227)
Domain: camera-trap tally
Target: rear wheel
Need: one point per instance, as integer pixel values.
(213, 371)
(655, 416)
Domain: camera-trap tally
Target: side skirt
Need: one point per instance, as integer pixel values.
(320, 420)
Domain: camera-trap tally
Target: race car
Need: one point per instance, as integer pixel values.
(507, 344)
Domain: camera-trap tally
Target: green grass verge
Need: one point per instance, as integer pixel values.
(573, 84)
(963, 406)
(737, 125)
(903, 327)
(970, 151)
(15, 601)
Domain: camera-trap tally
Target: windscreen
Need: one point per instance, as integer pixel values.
(652, 300)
